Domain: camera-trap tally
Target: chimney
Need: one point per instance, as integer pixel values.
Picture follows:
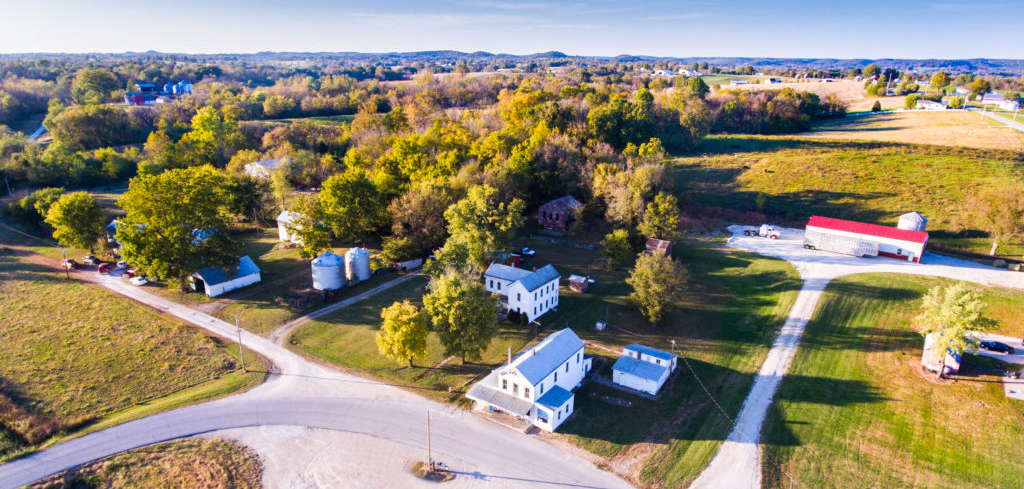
(533, 352)
(510, 355)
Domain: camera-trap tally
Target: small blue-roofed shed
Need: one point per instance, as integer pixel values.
(643, 368)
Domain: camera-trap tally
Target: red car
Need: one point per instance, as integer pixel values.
(103, 268)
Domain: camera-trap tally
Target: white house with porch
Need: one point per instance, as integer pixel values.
(527, 292)
(643, 368)
(536, 386)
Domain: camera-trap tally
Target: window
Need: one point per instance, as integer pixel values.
(519, 296)
(504, 384)
(577, 358)
(541, 391)
(559, 414)
(492, 284)
(534, 296)
(556, 376)
(657, 361)
(499, 285)
(526, 394)
(567, 367)
(515, 389)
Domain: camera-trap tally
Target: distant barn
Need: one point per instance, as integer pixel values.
(558, 213)
(656, 246)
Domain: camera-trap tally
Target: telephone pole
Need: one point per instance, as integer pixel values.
(64, 263)
(241, 353)
(430, 460)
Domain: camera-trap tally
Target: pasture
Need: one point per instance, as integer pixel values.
(944, 128)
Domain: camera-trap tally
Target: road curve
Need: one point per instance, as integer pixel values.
(302, 393)
(737, 465)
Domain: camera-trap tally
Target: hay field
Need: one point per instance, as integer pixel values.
(849, 91)
(948, 128)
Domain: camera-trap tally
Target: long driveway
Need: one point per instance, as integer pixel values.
(302, 393)
(1015, 125)
(737, 465)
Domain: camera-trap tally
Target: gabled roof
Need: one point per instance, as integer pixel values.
(915, 216)
(567, 203)
(287, 216)
(531, 280)
(272, 164)
(505, 272)
(536, 280)
(555, 398)
(539, 361)
(487, 392)
(639, 368)
(653, 352)
(217, 275)
(868, 229)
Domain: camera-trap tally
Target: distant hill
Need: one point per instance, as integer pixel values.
(974, 65)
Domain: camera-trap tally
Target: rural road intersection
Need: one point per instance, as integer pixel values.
(737, 465)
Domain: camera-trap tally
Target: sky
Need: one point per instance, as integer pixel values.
(768, 28)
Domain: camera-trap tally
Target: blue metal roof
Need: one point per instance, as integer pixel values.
(217, 275)
(555, 398)
(536, 280)
(539, 361)
(505, 272)
(640, 368)
(653, 352)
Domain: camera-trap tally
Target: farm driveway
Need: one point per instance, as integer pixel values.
(737, 464)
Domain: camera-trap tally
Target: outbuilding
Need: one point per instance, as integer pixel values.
(863, 239)
(930, 358)
(558, 213)
(263, 168)
(216, 281)
(656, 246)
(643, 368)
(286, 227)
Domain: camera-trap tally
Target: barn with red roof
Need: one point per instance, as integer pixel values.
(863, 239)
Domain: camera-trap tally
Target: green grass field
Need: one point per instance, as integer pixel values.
(75, 355)
(192, 463)
(868, 181)
(855, 405)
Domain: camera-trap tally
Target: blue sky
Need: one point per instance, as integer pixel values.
(801, 28)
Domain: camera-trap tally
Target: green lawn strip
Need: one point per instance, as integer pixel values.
(734, 305)
(180, 463)
(74, 353)
(855, 405)
(868, 181)
(346, 338)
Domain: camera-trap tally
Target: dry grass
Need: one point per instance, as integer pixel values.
(192, 463)
(849, 91)
(949, 128)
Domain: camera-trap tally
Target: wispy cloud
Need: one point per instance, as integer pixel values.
(436, 20)
(503, 5)
(695, 15)
(967, 7)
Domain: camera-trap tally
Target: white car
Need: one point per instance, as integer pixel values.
(140, 280)
(122, 264)
(527, 251)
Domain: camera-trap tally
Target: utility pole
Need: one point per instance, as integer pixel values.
(430, 460)
(241, 353)
(64, 253)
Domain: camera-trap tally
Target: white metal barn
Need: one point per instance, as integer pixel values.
(216, 281)
(863, 239)
(643, 368)
(286, 220)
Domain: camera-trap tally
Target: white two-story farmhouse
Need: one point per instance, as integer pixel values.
(537, 385)
(530, 293)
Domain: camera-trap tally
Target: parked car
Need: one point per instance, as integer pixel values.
(997, 346)
(527, 251)
(140, 280)
(69, 263)
(103, 268)
(122, 264)
(90, 260)
(133, 270)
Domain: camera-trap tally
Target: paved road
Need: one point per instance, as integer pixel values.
(737, 465)
(1016, 125)
(302, 393)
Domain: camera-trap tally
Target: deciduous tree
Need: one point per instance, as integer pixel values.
(310, 226)
(1001, 210)
(661, 218)
(482, 225)
(658, 283)
(616, 247)
(463, 313)
(176, 222)
(351, 204)
(403, 332)
(77, 220)
(952, 314)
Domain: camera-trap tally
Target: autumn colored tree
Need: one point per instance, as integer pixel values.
(658, 284)
(77, 220)
(403, 332)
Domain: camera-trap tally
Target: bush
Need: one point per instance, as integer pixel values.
(877, 107)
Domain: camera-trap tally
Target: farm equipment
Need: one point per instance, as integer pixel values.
(765, 231)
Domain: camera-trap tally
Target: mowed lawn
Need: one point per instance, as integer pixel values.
(734, 304)
(347, 338)
(872, 182)
(855, 405)
(74, 355)
(192, 463)
(944, 128)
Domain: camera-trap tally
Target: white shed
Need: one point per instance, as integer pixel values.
(286, 226)
(216, 281)
(263, 168)
(643, 368)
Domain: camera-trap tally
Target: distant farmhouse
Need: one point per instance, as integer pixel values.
(147, 94)
(536, 386)
(664, 73)
(925, 104)
(999, 100)
(522, 291)
(558, 213)
(263, 168)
